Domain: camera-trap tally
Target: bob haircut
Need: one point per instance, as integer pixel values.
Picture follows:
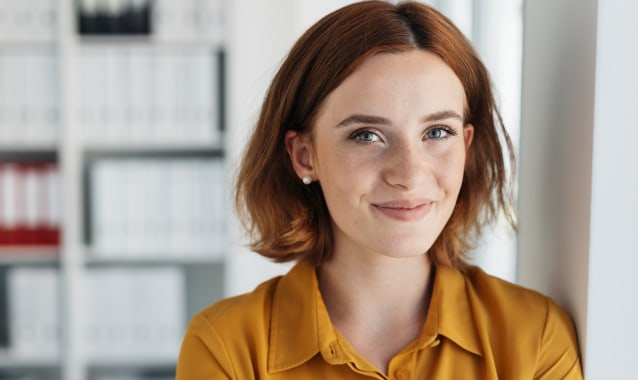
(288, 220)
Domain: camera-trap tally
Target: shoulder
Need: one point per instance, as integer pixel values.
(215, 342)
(511, 303)
(497, 293)
(245, 309)
(534, 325)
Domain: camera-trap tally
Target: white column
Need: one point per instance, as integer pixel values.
(256, 44)
(578, 182)
(72, 259)
(612, 330)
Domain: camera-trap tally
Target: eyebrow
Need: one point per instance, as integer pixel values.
(378, 120)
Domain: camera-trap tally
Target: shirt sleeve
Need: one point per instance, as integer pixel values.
(203, 355)
(559, 355)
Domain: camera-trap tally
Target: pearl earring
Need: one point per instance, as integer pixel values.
(306, 180)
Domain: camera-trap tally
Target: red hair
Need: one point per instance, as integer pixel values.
(290, 221)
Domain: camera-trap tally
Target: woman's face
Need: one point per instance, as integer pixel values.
(388, 149)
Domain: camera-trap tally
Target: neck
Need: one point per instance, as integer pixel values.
(387, 287)
(378, 305)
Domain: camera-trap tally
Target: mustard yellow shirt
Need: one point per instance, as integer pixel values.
(477, 327)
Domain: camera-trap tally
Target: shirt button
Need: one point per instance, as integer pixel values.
(401, 374)
(333, 352)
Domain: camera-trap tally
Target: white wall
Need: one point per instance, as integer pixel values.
(612, 318)
(578, 183)
(557, 119)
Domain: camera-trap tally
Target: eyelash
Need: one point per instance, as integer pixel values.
(448, 131)
(356, 135)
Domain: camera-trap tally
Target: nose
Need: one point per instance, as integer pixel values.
(407, 165)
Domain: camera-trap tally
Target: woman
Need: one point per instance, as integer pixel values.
(375, 163)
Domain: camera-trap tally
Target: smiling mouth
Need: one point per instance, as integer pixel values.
(405, 211)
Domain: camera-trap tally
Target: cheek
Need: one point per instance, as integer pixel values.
(339, 164)
(451, 171)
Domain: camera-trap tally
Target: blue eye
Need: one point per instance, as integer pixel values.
(439, 133)
(365, 136)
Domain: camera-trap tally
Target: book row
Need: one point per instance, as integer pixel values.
(29, 110)
(28, 20)
(144, 207)
(136, 94)
(131, 313)
(29, 204)
(124, 93)
(184, 20)
(114, 17)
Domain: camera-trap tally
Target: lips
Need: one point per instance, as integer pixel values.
(405, 210)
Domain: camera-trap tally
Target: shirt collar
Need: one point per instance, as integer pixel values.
(450, 312)
(294, 337)
(299, 330)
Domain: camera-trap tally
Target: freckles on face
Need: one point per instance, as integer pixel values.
(388, 150)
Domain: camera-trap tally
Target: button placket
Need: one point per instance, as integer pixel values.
(402, 374)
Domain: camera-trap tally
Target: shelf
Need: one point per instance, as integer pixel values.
(135, 361)
(152, 149)
(208, 258)
(18, 152)
(145, 41)
(29, 255)
(12, 360)
(26, 43)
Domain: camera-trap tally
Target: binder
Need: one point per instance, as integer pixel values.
(8, 180)
(210, 26)
(183, 127)
(33, 312)
(91, 114)
(135, 199)
(4, 93)
(138, 17)
(140, 109)
(28, 106)
(43, 17)
(171, 20)
(105, 201)
(52, 214)
(4, 309)
(113, 107)
(205, 89)
(40, 114)
(161, 196)
(14, 83)
(134, 312)
(87, 12)
(157, 207)
(165, 81)
(29, 204)
(49, 109)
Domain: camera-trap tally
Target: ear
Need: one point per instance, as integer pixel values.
(300, 152)
(468, 135)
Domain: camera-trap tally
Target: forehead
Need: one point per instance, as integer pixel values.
(394, 82)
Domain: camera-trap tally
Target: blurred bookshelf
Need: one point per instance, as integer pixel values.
(112, 183)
